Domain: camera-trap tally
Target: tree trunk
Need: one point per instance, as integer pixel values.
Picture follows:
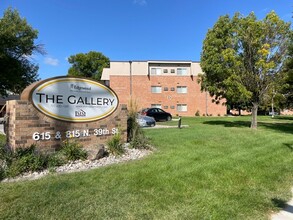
(254, 116)
(239, 111)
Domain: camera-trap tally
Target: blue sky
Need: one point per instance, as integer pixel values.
(126, 30)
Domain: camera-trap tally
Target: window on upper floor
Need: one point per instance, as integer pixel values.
(165, 70)
(156, 71)
(181, 71)
(181, 107)
(156, 105)
(156, 89)
(181, 89)
(172, 70)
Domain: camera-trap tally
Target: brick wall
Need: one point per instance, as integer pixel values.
(24, 121)
(141, 92)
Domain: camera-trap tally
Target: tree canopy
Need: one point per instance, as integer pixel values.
(16, 46)
(288, 70)
(242, 58)
(89, 64)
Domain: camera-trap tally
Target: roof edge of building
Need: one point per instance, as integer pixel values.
(157, 61)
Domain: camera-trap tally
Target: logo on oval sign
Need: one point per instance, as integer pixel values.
(74, 99)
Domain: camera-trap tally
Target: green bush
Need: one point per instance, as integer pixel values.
(135, 134)
(73, 151)
(197, 113)
(56, 160)
(25, 159)
(115, 145)
(139, 140)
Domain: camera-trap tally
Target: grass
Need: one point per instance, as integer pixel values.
(217, 168)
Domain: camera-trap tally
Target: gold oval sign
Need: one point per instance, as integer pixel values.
(74, 99)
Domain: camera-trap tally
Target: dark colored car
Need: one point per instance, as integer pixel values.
(157, 113)
(145, 121)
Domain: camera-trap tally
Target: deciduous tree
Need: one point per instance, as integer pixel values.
(288, 70)
(16, 46)
(242, 57)
(89, 64)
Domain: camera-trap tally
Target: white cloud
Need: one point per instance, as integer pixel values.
(51, 61)
(140, 2)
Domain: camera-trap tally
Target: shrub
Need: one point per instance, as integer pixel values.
(139, 140)
(135, 134)
(2, 173)
(73, 151)
(115, 145)
(197, 113)
(56, 160)
(25, 159)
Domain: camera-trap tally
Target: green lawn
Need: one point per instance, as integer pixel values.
(217, 168)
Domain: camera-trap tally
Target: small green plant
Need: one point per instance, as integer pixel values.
(73, 151)
(25, 159)
(56, 160)
(115, 145)
(135, 134)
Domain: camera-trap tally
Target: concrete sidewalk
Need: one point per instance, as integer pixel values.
(286, 213)
(1, 129)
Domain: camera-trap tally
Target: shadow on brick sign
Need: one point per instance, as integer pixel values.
(61, 108)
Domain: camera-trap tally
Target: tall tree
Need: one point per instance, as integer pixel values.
(89, 64)
(242, 58)
(288, 70)
(16, 46)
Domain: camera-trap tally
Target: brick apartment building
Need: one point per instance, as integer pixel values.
(170, 85)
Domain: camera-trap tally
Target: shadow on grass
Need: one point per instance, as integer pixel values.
(283, 205)
(279, 203)
(280, 127)
(290, 146)
(284, 117)
(229, 124)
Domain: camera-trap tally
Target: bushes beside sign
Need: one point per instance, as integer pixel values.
(29, 159)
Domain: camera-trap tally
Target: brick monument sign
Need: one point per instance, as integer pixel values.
(61, 108)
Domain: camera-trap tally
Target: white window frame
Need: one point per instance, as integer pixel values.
(182, 107)
(182, 89)
(156, 71)
(182, 71)
(156, 106)
(156, 89)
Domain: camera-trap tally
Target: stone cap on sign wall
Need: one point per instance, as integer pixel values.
(25, 95)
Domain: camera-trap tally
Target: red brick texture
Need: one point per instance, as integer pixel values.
(24, 121)
(195, 100)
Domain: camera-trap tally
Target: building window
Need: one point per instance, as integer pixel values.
(172, 70)
(156, 71)
(165, 70)
(181, 89)
(181, 71)
(165, 88)
(181, 107)
(156, 105)
(172, 107)
(166, 107)
(156, 89)
(172, 89)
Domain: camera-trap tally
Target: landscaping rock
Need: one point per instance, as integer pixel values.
(81, 165)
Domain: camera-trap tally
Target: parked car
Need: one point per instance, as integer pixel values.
(145, 121)
(157, 113)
